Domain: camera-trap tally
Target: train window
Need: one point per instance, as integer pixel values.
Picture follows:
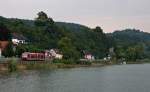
(28, 55)
(32, 56)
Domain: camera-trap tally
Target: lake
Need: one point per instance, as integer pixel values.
(117, 78)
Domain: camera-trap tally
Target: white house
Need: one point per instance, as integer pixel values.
(53, 53)
(18, 39)
(89, 56)
(56, 54)
(59, 56)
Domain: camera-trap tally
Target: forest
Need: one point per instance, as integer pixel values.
(74, 40)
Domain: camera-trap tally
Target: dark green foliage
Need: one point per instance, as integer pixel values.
(134, 53)
(8, 51)
(72, 39)
(42, 16)
(98, 29)
(64, 61)
(86, 39)
(4, 33)
(130, 36)
(12, 65)
(84, 62)
(43, 20)
(68, 61)
(68, 49)
(131, 44)
(20, 49)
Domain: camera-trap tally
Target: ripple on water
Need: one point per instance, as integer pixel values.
(123, 78)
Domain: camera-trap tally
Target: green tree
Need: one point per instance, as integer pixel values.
(68, 49)
(12, 65)
(8, 51)
(20, 49)
(43, 20)
(135, 52)
(5, 34)
(98, 29)
(42, 16)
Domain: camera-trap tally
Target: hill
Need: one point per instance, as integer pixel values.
(72, 39)
(130, 38)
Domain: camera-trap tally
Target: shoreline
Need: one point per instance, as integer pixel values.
(50, 66)
(46, 66)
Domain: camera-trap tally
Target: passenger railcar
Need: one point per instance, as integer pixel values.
(27, 56)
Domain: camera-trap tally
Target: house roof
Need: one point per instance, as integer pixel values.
(57, 51)
(87, 53)
(3, 44)
(18, 36)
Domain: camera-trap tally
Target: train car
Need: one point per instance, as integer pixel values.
(28, 56)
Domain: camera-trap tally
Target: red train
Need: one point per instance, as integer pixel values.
(27, 56)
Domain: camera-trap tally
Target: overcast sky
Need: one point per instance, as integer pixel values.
(109, 14)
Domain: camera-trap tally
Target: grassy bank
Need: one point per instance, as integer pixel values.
(14, 64)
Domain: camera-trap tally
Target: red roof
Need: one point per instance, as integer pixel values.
(3, 44)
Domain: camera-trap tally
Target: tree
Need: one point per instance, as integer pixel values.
(68, 49)
(120, 52)
(20, 49)
(43, 20)
(135, 52)
(8, 51)
(4, 33)
(42, 16)
(98, 29)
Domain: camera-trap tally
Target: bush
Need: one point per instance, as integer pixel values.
(68, 61)
(12, 65)
(64, 61)
(145, 60)
(57, 61)
(84, 62)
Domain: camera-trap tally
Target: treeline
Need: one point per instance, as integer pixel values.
(74, 40)
(132, 44)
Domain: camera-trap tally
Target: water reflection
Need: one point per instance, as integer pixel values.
(125, 78)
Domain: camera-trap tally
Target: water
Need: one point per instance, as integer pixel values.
(123, 78)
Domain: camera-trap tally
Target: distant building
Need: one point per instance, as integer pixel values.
(56, 53)
(53, 53)
(18, 39)
(89, 56)
(48, 54)
(3, 44)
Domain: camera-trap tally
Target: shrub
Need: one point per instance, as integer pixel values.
(84, 62)
(64, 61)
(68, 61)
(12, 65)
